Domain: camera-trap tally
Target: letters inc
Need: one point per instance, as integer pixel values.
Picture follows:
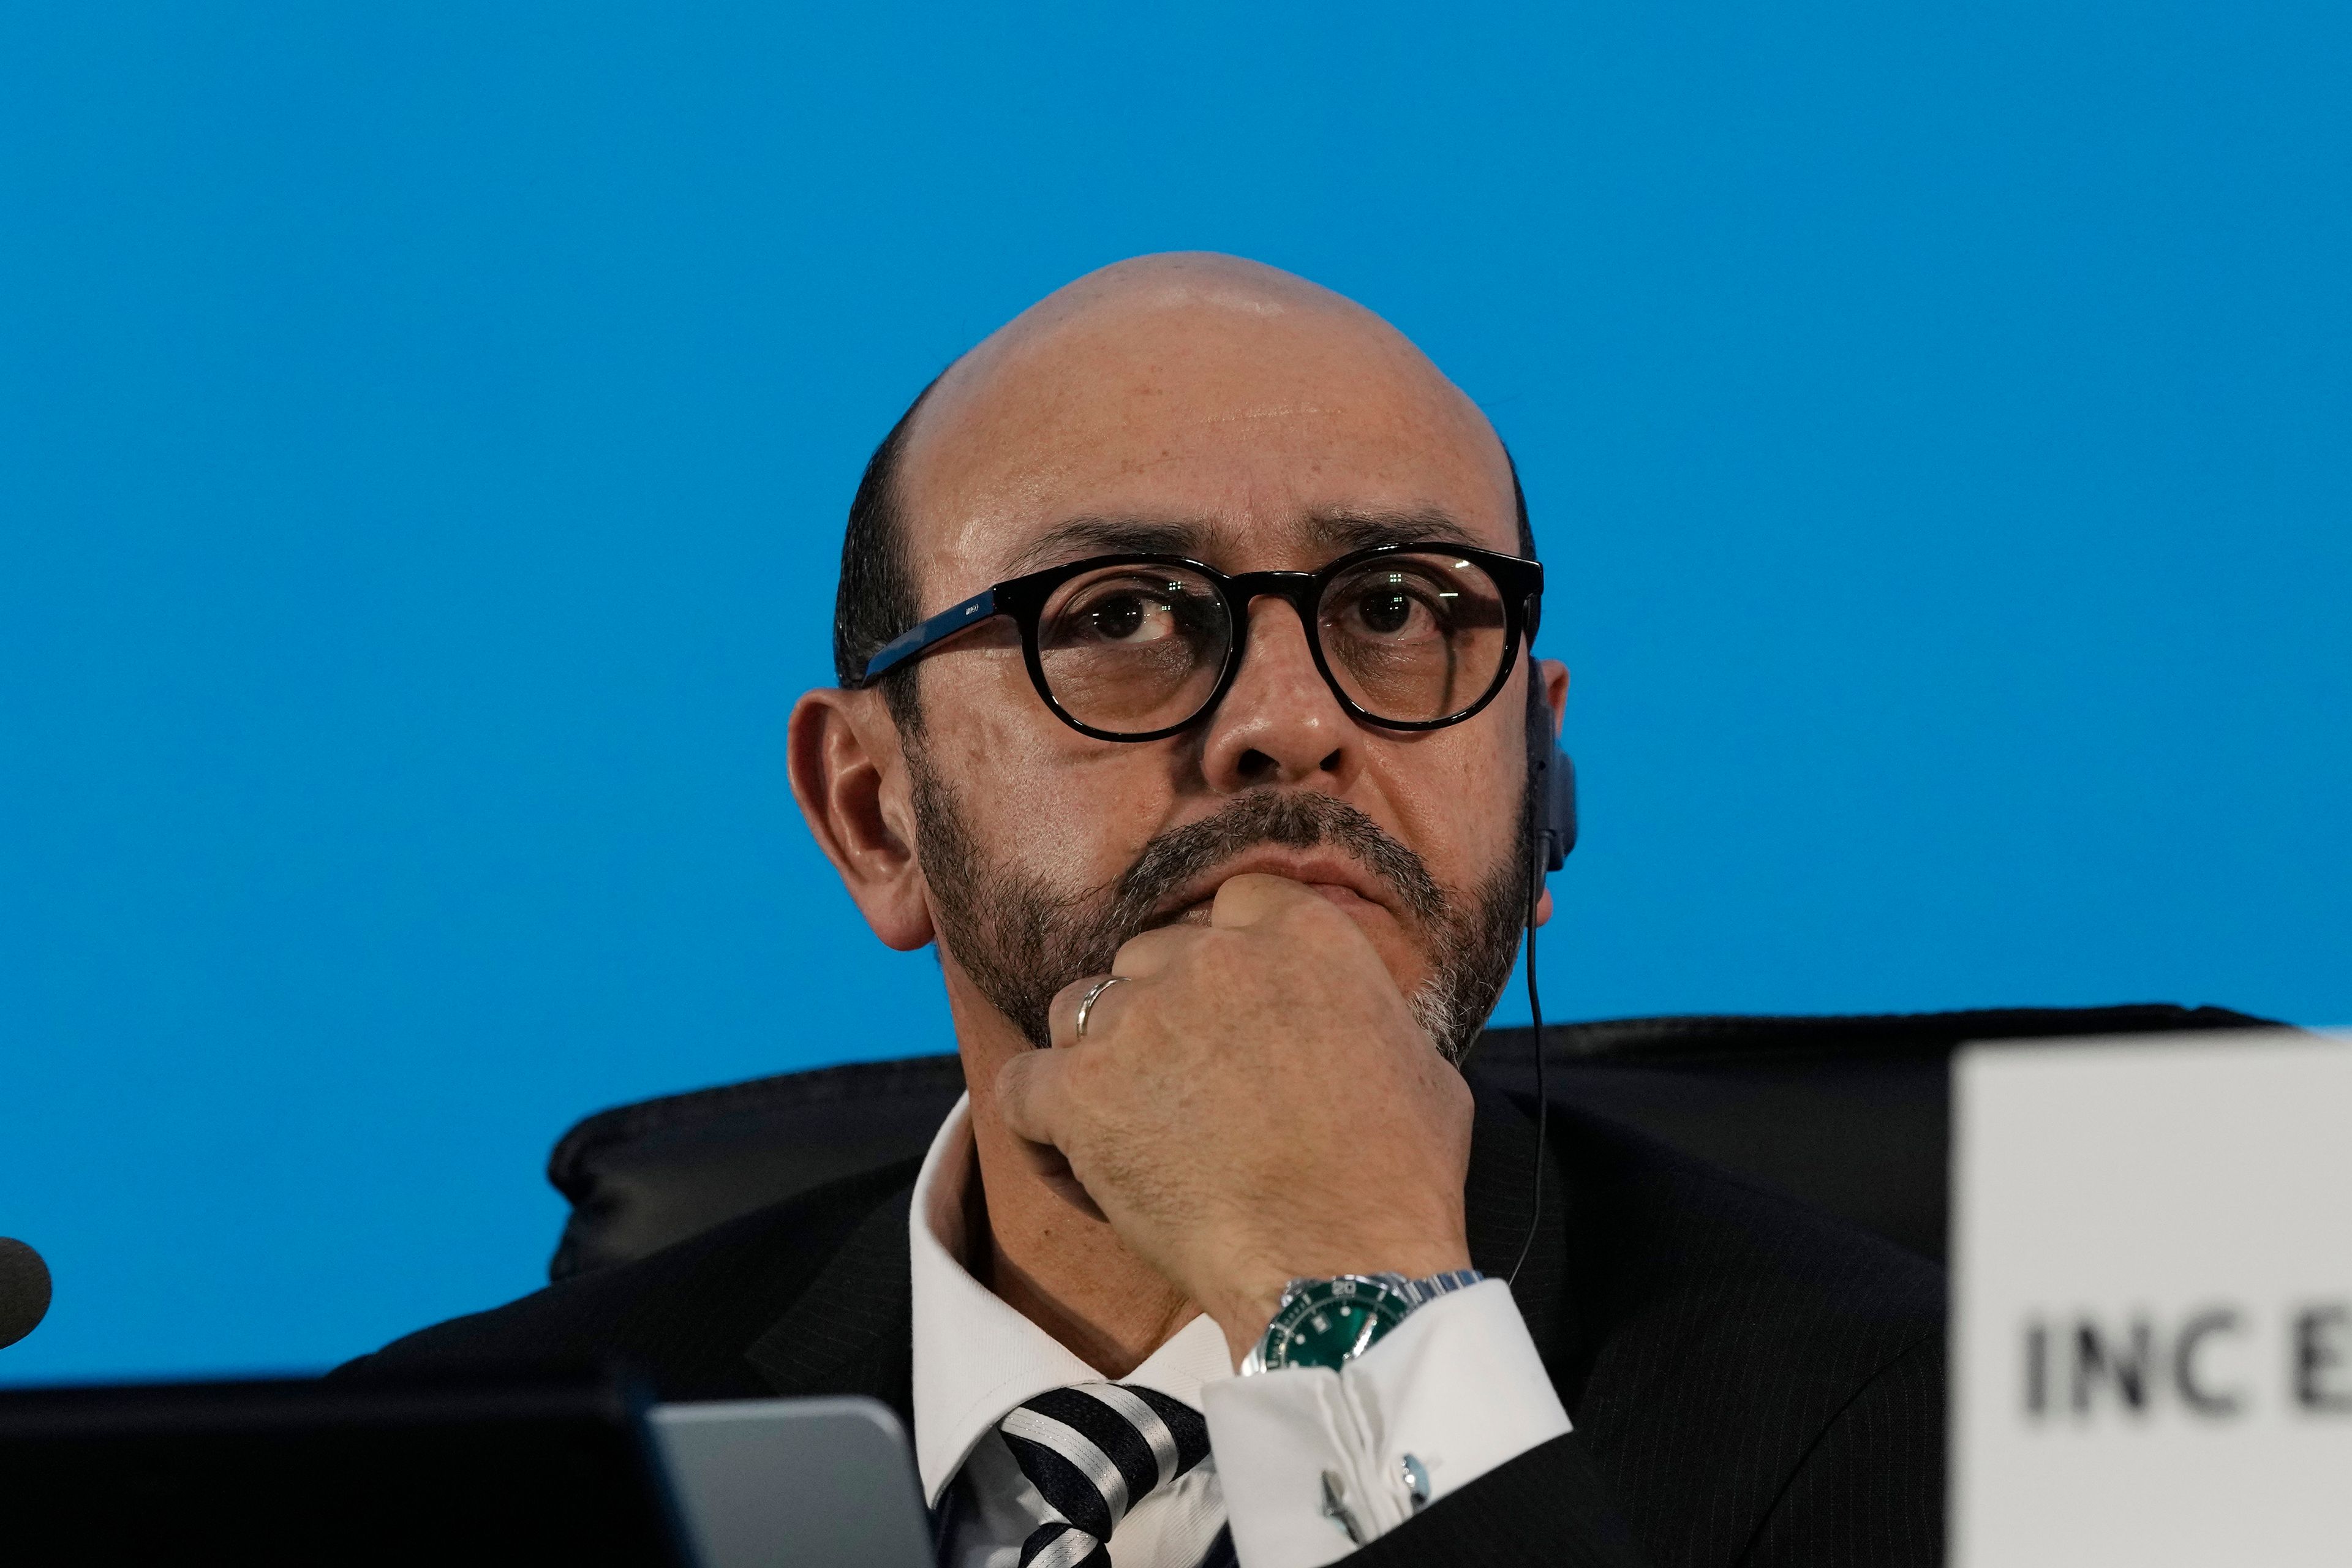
(2207, 1363)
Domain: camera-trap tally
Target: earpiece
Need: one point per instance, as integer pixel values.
(1553, 777)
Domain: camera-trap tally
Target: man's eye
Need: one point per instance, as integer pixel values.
(1386, 612)
(1129, 617)
(1391, 612)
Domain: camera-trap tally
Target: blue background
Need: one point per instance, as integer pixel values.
(423, 442)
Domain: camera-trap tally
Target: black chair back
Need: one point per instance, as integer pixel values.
(1851, 1115)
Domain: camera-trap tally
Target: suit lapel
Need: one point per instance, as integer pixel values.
(1498, 1198)
(852, 1330)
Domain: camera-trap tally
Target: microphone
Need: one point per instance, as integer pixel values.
(24, 1290)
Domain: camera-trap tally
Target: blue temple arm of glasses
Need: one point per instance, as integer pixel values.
(938, 628)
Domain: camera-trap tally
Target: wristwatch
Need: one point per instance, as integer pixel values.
(1331, 1321)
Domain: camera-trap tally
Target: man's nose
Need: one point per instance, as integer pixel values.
(1280, 722)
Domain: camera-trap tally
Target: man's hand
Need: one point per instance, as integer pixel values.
(1253, 1102)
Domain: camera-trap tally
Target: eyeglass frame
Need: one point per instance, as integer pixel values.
(1023, 600)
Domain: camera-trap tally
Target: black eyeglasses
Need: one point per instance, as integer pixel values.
(1137, 647)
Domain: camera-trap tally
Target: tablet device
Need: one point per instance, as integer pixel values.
(794, 1483)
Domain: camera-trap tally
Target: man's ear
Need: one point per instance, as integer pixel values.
(1554, 676)
(849, 775)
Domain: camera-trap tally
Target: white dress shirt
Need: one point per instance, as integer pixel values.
(1457, 1386)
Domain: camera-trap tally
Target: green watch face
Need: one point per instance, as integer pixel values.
(1331, 1321)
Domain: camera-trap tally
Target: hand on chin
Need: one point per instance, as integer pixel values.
(1252, 1102)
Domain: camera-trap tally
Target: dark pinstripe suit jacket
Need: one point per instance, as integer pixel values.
(1751, 1382)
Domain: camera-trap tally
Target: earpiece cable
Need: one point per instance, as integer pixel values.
(1543, 1095)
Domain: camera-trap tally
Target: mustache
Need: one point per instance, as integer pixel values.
(1021, 939)
(1303, 821)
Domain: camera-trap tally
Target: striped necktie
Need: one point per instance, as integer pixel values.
(1094, 1450)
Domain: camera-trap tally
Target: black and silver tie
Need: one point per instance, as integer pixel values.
(1093, 1452)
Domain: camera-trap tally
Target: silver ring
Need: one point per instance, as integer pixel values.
(1094, 992)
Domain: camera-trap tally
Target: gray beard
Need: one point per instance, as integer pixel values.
(1022, 940)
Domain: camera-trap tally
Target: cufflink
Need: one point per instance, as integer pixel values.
(1415, 1476)
(1336, 1510)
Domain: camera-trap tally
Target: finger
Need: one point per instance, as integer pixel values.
(1032, 1095)
(1062, 1017)
(1153, 951)
(1255, 897)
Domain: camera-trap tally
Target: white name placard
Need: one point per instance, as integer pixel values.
(2152, 1302)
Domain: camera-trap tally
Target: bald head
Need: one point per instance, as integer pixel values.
(1166, 411)
(1189, 388)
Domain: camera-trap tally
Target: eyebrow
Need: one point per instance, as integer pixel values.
(1116, 536)
(1339, 532)
(1349, 530)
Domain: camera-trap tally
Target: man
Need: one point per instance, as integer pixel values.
(1226, 872)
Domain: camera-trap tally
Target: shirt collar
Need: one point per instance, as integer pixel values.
(976, 1357)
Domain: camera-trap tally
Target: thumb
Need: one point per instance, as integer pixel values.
(1256, 896)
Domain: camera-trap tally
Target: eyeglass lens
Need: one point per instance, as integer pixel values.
(1413, 637)
(1130, 649)
(1409, 638)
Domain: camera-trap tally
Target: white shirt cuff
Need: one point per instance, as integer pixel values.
(1457, 1386)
